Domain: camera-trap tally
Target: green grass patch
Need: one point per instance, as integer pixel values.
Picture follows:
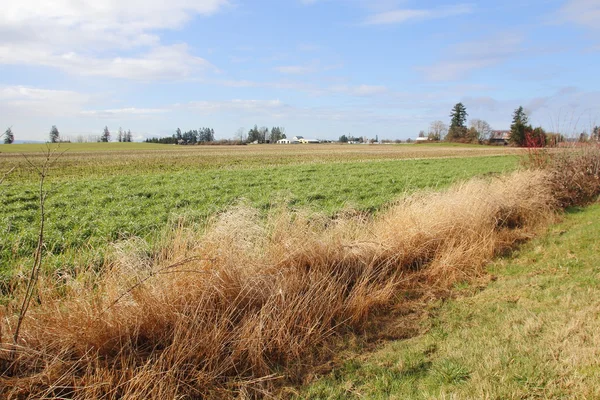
(533, 333)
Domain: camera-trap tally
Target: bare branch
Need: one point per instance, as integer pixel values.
(51, 157)
(6, 174)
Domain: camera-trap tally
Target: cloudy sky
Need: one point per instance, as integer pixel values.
(321, 68)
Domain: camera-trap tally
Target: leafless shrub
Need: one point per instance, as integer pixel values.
(576, 175)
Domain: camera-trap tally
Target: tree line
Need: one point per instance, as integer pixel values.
(202, 135)
(207, 135)
(357, 139)
(522, 134)
(264, 135)
(122, 136)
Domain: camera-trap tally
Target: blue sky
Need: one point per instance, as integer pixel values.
(320, 68)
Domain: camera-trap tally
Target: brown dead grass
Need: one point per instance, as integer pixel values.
(234, 308)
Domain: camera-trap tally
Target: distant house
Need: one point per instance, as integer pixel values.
(310, 141)
(288, 141)
(422, 139)
(500, 137)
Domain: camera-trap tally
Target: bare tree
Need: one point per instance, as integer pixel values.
(51, 156)
(263, 134)
(482, 128)
(240, 133)
(437, 130)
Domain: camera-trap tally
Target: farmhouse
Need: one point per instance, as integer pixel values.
(500, 137)
(301, 139)
(288, 141)
(422, 140)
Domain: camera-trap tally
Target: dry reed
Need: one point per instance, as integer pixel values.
(230, 309)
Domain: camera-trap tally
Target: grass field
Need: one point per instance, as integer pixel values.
(147, 290)
(533, 333)
(98, 196)
(118, 159)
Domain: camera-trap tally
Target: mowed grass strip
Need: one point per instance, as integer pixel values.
(533, 333)
(84, 215)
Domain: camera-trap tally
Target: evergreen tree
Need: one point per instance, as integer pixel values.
(253, 135)
(105, 135)
(120, 135)
(458, 128)
(178, 134)
(343, 139)
(459, 116)
(9, 136)
(519, 127)
(127, 136)
(54, 134)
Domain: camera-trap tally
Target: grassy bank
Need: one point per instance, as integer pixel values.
(533, 333)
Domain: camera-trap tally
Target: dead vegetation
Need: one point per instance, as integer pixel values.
(246, 302)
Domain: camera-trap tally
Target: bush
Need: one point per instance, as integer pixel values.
(576, 176)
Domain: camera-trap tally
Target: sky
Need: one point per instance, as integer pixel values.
(319, 68)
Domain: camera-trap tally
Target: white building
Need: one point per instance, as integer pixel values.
(301, 139)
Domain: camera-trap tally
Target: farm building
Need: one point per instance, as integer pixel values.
(500, 137)
(301, 139)
(288, 141)
(422, 140)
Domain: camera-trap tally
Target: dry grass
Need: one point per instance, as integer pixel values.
(232, 308)
(533, 333)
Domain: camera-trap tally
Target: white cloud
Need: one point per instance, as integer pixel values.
(161, 62)
(464, 58)
(108, 15)
(99, 37)
(125, 112)
(236, 105)
(350, 90)
(34, 102)
(581, 12)
(404, 15)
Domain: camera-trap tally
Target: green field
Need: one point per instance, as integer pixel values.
(117, 159)
(533, 333)
(96, 196)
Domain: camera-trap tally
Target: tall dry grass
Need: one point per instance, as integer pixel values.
(231, 308)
